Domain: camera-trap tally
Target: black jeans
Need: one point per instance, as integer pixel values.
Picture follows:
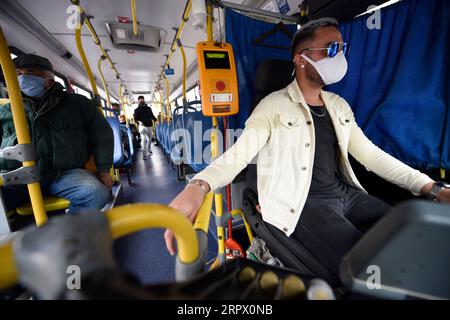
(329, 228)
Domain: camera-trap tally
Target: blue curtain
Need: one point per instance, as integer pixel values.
(398, 82)
(240, 32)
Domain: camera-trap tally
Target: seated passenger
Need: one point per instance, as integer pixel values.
(302, 135)
(122, 120)
(66, 129)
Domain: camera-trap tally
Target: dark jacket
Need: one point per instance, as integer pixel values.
(145, 115)
(66, 129)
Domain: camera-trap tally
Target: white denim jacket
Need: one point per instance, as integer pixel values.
(280, 132)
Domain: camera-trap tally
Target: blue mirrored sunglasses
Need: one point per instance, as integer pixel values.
(333, 49)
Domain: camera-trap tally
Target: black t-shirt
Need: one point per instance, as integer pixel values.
(144, 114)
(326, 179)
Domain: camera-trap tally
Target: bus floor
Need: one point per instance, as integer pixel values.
(143, 255)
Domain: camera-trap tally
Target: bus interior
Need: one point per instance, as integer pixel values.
(202, 67)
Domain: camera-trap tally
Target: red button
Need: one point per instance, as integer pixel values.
(220, 85)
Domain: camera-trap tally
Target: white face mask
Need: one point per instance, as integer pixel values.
(331, 70)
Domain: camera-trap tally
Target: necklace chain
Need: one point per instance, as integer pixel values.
(319, 115)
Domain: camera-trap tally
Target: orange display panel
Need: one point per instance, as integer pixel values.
(218, 80)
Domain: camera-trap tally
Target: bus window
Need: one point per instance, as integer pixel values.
(190, 95)
(81, 91)
(197, 93)
(61, 81)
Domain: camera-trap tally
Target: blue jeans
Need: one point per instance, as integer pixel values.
(79, 186)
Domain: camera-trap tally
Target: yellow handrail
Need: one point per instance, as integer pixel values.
(238, 212)
(132, 218)
(218, 198)
(85, 61)
(123, 102)
(133, 13)
(209, 22)
(185, 18)
(20, 125)
(105, 85)
(85, 20)
(125, 220)
(183, 55)
(204, 214)
(169, 113)
(8, 270)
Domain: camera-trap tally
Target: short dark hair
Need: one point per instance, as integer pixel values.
(141, 97)
(308, 31)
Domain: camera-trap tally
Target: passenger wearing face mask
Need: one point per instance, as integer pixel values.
(302, 135)
(66, 129)
(144, 116)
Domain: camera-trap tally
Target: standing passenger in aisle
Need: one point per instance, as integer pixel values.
(144, 116)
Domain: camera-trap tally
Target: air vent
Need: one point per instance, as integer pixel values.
(148, 39)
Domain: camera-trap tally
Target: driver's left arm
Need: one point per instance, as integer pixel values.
(383, 164)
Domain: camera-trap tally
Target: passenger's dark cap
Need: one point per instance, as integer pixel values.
(32, 61)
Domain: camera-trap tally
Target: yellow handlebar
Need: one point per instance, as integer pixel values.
(204, 214)
(8, 271)
(102, 77)
(133, 13)
(84, 59)
(125, 220)
(128, 219)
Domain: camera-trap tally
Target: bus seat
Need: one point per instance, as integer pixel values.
(196, 159)
(118, 151)
(158, 132)
(126, 132)
(166, 137)
(50, 204)
(178, 144)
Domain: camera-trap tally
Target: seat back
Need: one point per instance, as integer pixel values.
(118, 152)
(114, 123)
(266, 83)
(196, 124)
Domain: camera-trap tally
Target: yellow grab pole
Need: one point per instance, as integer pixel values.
(85, 20)
(185, 18)
(133, 13)
(204, 214)
(215, 148)
(85, 61)
(8, 268)
(169, 113)
(105, 85)
(209, 22)
(239, 212)
(131, 218)
(21, 125)
(123, 102)
(183, 55)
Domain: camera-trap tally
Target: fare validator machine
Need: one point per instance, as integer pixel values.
(218, 79)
